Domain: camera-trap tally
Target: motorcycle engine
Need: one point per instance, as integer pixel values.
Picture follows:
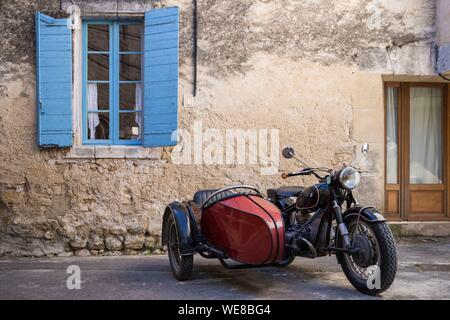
(302, 217)
(296, 232)
(297, 229)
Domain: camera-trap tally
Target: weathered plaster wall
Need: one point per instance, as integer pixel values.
(312, 69)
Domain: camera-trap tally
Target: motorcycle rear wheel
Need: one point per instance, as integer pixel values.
(381, 253)
(181, 265)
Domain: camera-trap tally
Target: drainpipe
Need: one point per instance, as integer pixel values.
(195, 46)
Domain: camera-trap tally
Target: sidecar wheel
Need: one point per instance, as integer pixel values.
(288, 259)
(378, 249)
(181, 265)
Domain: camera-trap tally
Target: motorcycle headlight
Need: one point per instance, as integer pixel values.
(349, 178)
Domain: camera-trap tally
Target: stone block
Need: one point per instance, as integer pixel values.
(135, 242)
(113, 243)
(110, 152)
(49, 235)
(11, 197)
(78, 243)
(117, 230)
(65, 254)
(137, 224)
(82, 253)
(152, 242)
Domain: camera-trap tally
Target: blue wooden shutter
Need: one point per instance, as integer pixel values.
(54, 81)
(160, 77)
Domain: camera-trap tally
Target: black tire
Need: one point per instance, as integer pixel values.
(287, 260)
(181, 265)
(386, 259)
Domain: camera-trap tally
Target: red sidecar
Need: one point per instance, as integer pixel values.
(247, 228)
(234, 223)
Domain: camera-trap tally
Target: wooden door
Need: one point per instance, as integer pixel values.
(416, 151)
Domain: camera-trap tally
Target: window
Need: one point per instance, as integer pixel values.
(112, 89)
(127, 81)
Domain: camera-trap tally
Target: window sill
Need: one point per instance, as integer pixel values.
(113, 152)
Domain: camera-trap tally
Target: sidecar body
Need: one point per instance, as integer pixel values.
(234, 223)
(247, 228)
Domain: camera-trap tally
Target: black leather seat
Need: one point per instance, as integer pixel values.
(284, 192)
(201, 196)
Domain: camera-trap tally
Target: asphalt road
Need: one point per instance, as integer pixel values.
(424, 273)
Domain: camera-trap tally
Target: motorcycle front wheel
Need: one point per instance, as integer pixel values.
(373, 268)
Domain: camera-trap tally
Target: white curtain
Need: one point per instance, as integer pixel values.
(92, 105)
(426, 136)
(138, 107)
(391, 136)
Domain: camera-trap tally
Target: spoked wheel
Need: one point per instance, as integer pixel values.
(371, 270)
(181, 265)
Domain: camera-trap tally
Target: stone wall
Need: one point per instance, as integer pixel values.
(312, 69)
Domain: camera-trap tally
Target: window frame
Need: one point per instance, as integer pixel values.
(114, 81)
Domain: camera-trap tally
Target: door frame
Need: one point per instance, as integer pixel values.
(403, 128)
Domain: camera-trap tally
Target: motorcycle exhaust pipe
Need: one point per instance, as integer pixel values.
(310, 246)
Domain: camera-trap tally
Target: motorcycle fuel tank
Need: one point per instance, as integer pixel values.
(248, 228)
(313, 198)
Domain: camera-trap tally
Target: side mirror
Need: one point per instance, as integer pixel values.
(288, 153)
(365, 148)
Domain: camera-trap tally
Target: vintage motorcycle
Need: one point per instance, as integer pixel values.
(242, 229)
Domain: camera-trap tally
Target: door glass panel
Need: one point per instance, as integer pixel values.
(426, 135)
(392, 136)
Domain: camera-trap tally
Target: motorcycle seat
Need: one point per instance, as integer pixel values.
(284, 192)
(202, 195)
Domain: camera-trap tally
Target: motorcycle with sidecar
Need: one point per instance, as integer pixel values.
(243, 229)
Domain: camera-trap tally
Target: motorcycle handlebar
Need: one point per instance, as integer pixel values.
(308, 171)
(286, 175)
